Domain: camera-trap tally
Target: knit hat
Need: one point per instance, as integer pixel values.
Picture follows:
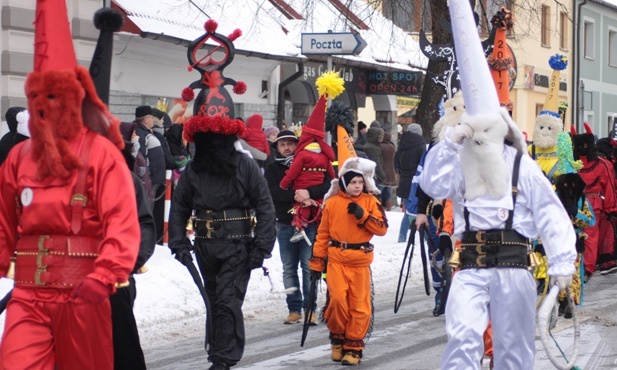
(11, 117)
(356, 165)
(361, 125)
(415, 128)
(286, 135)
(142, 111)
(271, 130)
(347, 177)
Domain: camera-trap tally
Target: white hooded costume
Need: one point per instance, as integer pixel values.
(473, 167)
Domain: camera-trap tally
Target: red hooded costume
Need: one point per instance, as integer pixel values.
(67, 214)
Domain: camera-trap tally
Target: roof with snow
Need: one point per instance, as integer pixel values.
(272, 28)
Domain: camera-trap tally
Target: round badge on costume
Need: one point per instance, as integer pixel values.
(26, 197)
(502, 213)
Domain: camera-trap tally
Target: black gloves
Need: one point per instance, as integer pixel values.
(182, 254)
(316, 275)
(256, 259)
(445, 243)
(437, 211)
(354, 209)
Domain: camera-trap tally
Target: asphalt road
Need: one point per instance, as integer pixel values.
(410, 339)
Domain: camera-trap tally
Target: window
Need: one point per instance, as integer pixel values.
(612, 48)
(589, 40)
(563, 30)
(546, 26)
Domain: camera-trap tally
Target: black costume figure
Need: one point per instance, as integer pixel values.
(224, 187)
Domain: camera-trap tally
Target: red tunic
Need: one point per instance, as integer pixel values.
(110, 213)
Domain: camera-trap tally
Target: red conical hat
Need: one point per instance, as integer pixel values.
(53, 44)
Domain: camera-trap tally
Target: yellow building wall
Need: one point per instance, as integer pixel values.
(531, 54)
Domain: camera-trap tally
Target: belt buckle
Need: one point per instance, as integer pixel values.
(37, 276)
(480, 236)
(208, 228)
(343, 245)
(481, 254)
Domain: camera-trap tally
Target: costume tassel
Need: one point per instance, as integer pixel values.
(331, 84)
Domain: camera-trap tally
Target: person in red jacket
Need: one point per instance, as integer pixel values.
(67, 214)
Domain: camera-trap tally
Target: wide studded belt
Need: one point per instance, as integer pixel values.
(227, 224)
(54, 261)
(494, 248)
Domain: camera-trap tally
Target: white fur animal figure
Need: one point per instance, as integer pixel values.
(545, 131)
(484, 168)
(453, 110)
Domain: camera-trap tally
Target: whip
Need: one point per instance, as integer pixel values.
(548, 311)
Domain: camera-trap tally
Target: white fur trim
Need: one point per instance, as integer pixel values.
(22, 123)
(239, 148)
(362, 165)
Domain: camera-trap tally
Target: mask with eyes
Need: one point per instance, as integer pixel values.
(570, 188)
(453, 110)
(545, 131)
(482, 162)
(583, 145)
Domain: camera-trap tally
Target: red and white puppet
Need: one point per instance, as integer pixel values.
(313, 157)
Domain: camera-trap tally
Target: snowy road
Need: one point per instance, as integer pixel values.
(411, 339)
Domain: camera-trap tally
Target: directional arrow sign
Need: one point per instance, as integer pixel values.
(332, 43)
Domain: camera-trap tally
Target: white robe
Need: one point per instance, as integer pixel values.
(506, 295)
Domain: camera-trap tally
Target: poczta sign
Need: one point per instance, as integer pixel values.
(394, 83)
(332, 43)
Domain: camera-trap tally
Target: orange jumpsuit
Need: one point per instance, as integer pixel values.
(348, 311)
(45, 327)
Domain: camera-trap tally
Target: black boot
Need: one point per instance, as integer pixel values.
(219, 366)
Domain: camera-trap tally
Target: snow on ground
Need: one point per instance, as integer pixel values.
(168, 304)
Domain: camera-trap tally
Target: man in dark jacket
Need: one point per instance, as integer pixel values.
(18, 131)
(387, 156)
(292, 253)
(374, 136)
(128, 354)
(224, 187)
(152, 148)
(410, 150)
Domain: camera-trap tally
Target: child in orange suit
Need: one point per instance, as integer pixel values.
(350, 219)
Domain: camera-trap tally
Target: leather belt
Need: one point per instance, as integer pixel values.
(494, 248)
(367, 247)
(54, 261)
(227, 224)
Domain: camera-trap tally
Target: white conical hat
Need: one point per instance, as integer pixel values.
(476, 81)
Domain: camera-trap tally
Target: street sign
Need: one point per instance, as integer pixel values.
(332, 43)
